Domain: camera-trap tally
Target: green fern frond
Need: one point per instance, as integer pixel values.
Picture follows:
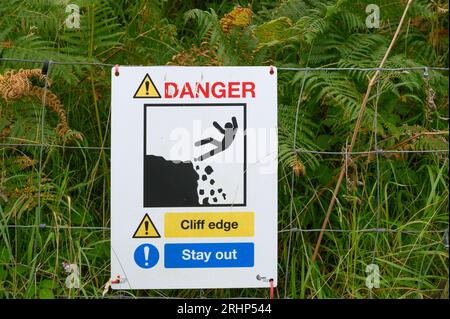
(305, 139)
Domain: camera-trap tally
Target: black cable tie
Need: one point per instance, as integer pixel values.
(45, 67)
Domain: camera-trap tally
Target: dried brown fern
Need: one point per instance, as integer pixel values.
(16, 85)
(238, 17)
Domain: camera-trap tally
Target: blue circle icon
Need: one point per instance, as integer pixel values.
(146, 256)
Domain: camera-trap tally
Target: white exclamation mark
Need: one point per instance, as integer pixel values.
(146, 252)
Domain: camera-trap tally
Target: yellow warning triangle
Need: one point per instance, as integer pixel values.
(147, 89)
(146, 229)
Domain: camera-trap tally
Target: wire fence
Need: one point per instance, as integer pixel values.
(42, 145)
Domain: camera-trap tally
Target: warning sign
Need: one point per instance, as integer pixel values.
(194, 177)
(147, 89)
(146, 229)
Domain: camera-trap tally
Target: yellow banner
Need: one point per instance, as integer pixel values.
(223, 224)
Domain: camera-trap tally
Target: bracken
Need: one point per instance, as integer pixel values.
(17, 85)
(207, 54)
(238, 17)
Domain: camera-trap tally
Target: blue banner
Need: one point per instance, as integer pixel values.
(209, 255)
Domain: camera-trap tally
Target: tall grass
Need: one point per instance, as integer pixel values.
(75, 181)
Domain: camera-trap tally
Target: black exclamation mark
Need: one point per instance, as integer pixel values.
(147, 87)
(146, 222)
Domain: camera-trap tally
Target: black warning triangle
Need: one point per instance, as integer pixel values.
(147, 89)
(146, 229)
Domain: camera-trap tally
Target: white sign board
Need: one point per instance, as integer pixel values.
(194, 177)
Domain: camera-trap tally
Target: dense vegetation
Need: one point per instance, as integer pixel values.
(412, 115)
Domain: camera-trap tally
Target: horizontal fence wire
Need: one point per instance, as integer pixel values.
(298, 150)
(380, 151)
(416, 68)
(98, 148)
(298, 230)
(377, 151)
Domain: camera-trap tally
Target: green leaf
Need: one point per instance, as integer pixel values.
(274, 32)
(46, 294)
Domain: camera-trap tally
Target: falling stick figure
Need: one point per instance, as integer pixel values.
(229, 132)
